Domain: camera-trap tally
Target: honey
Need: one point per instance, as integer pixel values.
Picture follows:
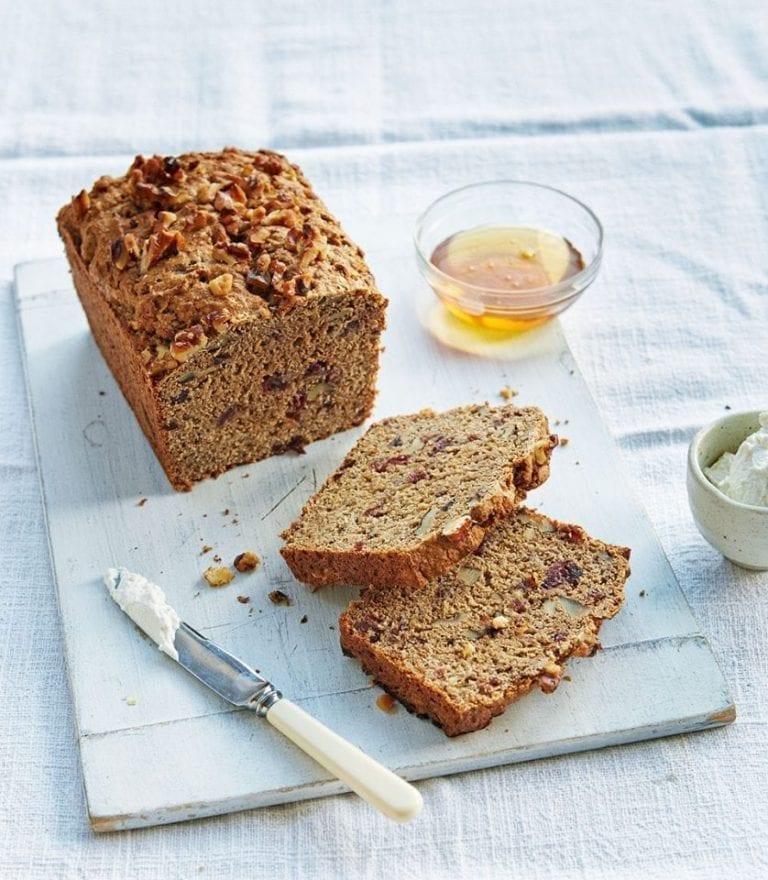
(494, 272)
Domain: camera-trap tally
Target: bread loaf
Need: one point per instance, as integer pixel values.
(416, 494)
(236, 315)
(502, 621)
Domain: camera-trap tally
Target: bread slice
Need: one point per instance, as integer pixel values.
(501, 622)
(416, 494)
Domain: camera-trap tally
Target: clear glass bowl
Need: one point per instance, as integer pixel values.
(508, 203)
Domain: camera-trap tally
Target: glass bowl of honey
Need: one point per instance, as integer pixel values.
(508, 255)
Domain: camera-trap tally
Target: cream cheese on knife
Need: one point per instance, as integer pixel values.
(146, 605)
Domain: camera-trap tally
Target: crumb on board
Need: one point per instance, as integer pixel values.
(507, 393)
(304, 618)
(243, 600)
(206, 549)
(102, 393)
(563, 441)
(217, 557)
(246, 561)
(225, 512)
(131, 701)
(141, 502)
(278, 597)
(218, 576)
(642, 594)
(245, 476)
(386, 703)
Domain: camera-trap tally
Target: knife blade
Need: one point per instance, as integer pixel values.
(241, 685)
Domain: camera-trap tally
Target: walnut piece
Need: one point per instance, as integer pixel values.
(221, 285)
(188, 342)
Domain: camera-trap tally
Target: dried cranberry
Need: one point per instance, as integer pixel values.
(298, 402)
(415, 476)
(442, 443)
(275, 382)
(171, 166)
(383, 464)
(316, 368)
(562, 573)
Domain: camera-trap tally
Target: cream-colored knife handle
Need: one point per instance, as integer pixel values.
(374, 783)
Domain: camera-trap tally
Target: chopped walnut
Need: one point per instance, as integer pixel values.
(82, 202)
(219, 319)
(221, 285)
(188, 342)
(160, 244)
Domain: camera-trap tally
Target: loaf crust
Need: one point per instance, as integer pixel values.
(236, 315)
(416, 494)
(503, 621)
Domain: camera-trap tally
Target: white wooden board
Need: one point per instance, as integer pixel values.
(156, 746)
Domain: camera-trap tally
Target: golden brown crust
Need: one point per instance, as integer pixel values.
(237, 317)
(504, 620)
(416, 494)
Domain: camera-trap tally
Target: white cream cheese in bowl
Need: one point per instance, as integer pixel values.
(743, 476)
(728, 486)
(146, 605)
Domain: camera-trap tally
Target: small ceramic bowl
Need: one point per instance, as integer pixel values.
(739, 531)
(508, 203)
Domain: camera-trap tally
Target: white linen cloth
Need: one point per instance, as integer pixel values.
(654, 114)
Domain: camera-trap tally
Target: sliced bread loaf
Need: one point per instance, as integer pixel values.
(501, 622)
(416, 494)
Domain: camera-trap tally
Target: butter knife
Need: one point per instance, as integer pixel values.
(145, 603)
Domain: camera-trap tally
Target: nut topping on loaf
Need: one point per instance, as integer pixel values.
(237, 316)
(416, 494)
(502, 621)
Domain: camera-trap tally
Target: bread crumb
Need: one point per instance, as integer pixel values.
(131, 701)
(508, 393)
(278, 597)
(246, 561)
(386, 704)
(218, 576)
(642, 593)
(563, 441)
(304, 619)
(243, 600)
(217, 558)
(141, 502)
(206, 549)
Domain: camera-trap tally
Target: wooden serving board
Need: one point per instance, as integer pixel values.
(157, 746)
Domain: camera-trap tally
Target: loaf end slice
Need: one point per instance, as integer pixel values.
(503, 621)
(236, 315)
(416, 494)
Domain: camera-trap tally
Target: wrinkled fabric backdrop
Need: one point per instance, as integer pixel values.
(656, 114)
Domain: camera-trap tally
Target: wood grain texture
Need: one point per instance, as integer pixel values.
(158, 747)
